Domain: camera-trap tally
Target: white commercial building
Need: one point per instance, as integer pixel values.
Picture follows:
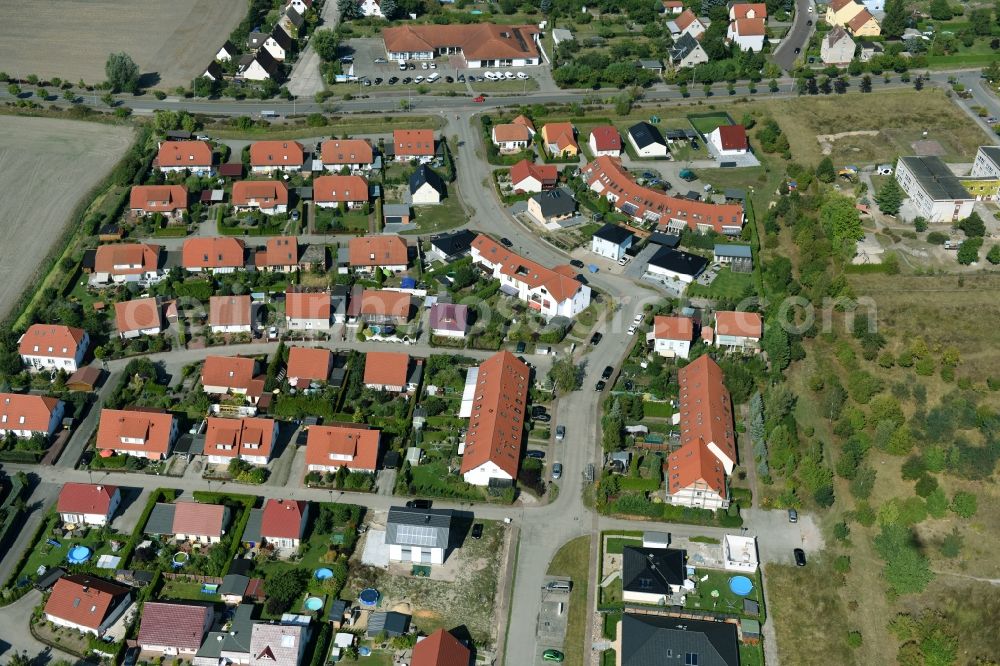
(933, 190)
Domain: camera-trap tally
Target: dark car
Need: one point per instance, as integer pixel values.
(393, 80)
(477, 531)
(506, 242)
(536, 410)
(418, 504)
(407, 80)
(544, 418)
(596, 338)
(608, 371)
(448, 79)
(131, 657)
(809, 22)
(800, 557)
(521, 346)
(601, 385)
(798, 50)
(576, 263)
(535, 453)
(461, 78)
(378, 81)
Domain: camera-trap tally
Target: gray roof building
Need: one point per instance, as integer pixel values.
(424, 174)
(555, 203)
(229, 644)
(613, 234)
(454, 245)
(427, 528)
(935, 178)
(234, 584)
(251, 534)
(161, 519)
(736, 251)
(644, 134)
(652, 570)
(653, 640)
(392, 623)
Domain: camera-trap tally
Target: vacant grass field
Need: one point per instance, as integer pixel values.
(573, 561)
(448, 214)
(36, 154)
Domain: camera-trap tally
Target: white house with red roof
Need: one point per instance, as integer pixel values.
(729, 140)
(86, 603)
(25, 414)
(308, 310)
(87, 503)
(686, 23)
(188, 521)
(249, 439)
(174, 629)
(671, 336)
(283, 523)
(605, 140)
(526, 176)
(747, 25)
(738, 331)
(53, 347)
(193, 156)
(236, 375)
(330, 447)
(125, 262)
(230, 314)
(136, 432)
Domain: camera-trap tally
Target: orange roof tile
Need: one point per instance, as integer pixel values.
(281, 251)
(138, 315)
(562, 135)
(127, 258)
(371, 251)
(859, 20)
(232, 438)
(479, 41)
(381, 302)
(750, 27)
(282, 519)
(525, 121)
(186, 154)
(347, 151)
(83, 599)
(440, 649)
(20, 411)
(546, 174)
(335, 189)
(212, 252)
(561, 286)
(741, 324)
(694, 463)
(86, 498)
(229, 311)
(386, 368)
(276, 154)
(137, 431)
(684, 19)
(232, 372)
(308, 364)
(496, 426)
(733, 137)
(342, 445)
(308, 305)
(673, 328)
(51, 340)
(196, 519)
(412, 143)
(158, 198)
(508, 132)
(705, 408)
(745, 9)
(606, 137)
(265, 194)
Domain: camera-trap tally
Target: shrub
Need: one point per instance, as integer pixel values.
(964, 504)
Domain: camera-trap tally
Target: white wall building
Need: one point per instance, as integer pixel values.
(934, 191)
(611, 241)
(739, 553)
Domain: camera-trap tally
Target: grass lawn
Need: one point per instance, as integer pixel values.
(614, 545)
(727, 284)
(446, 215)
(377, 658)
(44, 554)
(659, 410)
(573, 561)
(180, 589)
(432, 479)
(706, 123)
(751, 655)
(726, 602)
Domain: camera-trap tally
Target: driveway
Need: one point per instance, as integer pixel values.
(797, 37)
(15, 637)
(306, 79)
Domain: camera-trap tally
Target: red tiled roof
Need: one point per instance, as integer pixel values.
(83, 600)
(229, 311)
(705, 408)
(741, 324)
(508, 132)
(440, 649)
(684, 19)
(449, 317)
(496, 426)
(85, 498)
(119, 259)
(194, 518)
(51, 340)
(750, 27)
(19, 411)
(387, 368)
(276, 154)
(561, 286)
(212, 252)
(265, 194)
(606, 137)
(744, 9)
(417, 143)
(232, 438)
(308, 305)
(179, 626)
(138, 315)
(733, 137)
(859, 20)
(186, 154)
(546, 174)
(694, 463)
(309, 364)
(673, 328)
(158, 198)
(334, 189)
(282, 519)
(281, 251)
(147, 431)
(385, 303)
(837, 5)
(479, 41)
(233, 372)
(358, 442)
(370, 251)
(525, 121)
(561, 134)
(347, 151)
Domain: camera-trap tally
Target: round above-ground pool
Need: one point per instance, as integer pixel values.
(740, 585)
(313, 604)
(180, 558)
(368, 597)
(323, 573)
(78, 555)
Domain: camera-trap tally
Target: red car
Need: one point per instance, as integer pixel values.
(479, 100)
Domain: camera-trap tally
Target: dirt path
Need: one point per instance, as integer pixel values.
(826, 140)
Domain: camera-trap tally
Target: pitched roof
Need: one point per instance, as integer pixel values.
(733, 137)
(334, 189)
(418, 142)
(87, 498)
(276, 644)
(424, 174)
(138, 315)
(135, 430)
(742, 324)
(265, 194)
(418, 527)
(684, 19)
(281, 251)
(440, 649)
(229, 311)
(51, 340)
(387, 368)
(282, 519)
(606, 137)
(546, 174)
(127, 258)
(678, 261)
(683, 46)
(233, 372)
(377, 251)
(607, 175)
(309, 363)
(197, 519)
(561, 134)
(750, 27)
(559, 285)
(673, 328)
(556, 202)
(524, 121)
(835, 35)
(496, 426)
(613, 233)
(507, 132)
(382, 302)
(449, 317)
(745, 9)
(180, 626)
(186, 154)
(646, 638)
(837, 5)
(694, 463)
(478, 41)
(158, 198)
(308, 305)
(233, 438)
(705, 408)
(354, 446)
(212, 252)
(346, 151)
(652, 570)
(263, 58)
(644, 134)
(26, 412)
(83, 600)
(859, 20)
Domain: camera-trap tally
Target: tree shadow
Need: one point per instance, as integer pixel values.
(149, 79)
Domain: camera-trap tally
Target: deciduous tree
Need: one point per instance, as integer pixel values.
(122, 73)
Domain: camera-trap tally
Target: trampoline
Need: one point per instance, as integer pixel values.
(313, 604)
(179, 559)
(369, 597)
(210, 588)
(78, 555)
(323, 573)
(740, 585)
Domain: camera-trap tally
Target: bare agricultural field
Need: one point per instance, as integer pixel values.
(172, 42)
(46, 166)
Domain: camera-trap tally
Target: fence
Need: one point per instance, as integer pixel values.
(193, 578)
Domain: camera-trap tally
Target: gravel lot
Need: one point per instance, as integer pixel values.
(46, 165)
(71, 39)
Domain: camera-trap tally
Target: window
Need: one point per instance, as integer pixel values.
(690, 659)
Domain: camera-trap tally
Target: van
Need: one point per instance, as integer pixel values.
(433, 77)
(559, 586)
(268, 114)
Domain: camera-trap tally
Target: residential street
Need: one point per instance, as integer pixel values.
(798, 36)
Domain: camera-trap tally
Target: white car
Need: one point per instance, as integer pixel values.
(434, 65)
(488, 76)
(423, 65)
(522, 75)
(638, 319)
(810, 9)
(632, 329)
(624, 260)
(508, 75)
(419, 79)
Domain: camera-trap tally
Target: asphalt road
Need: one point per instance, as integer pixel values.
(306, 79)
(797, 36)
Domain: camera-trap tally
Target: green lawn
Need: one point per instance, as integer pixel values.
(660, 410)
(726, 602)
(751, 655)
(43, 554)
(727, 285)
(446, 215)
(573, 561)
(179, 589)
(707, 122)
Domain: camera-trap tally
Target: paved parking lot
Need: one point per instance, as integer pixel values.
(552, 619)
(776, 537)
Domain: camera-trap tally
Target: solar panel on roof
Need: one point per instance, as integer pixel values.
(417, 535)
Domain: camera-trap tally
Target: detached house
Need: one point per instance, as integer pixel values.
(355, 154)
(126, 262)
(189, 521)
(729, 140)
(652, 575)
(421, 536)
(53, 347)
(332, 191)
(249, 439)
(551, 207)
(87, 503)
(747, 26)
(560, 139)
(259, 66)
(167, 200)
(25, 415)
(739, 331)
(605, 140)
(687, 52)
(227, 52)
(380, 306)
(440, 649)
(281, 255)
(388, 253)
(173, 629)
(278, 44)
(852, 16)
(270, 197)
(236, 375)
(277, 644)
(139, 433)
(449, 320)
(672, 336)
(647, 141)
(230, 314)
(283, 523)
(413, 145)
(308, 364)
(426, 187)
(218, 255)
(387, 371)
(510, 137)
(193, 156)
(143, 316)
(270, 156)
(330, 447)
(837, 48)
(86, 603)
(686, 23)
(305, 310)
(526, 176)
(611, 241)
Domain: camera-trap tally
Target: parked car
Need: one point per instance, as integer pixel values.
(423, 65)
(521, 346)
(522, 76)
(402, 66)
(506, 242)
(576, 263)
(793, 516)
(595, 339)
(800, 557)
(272, 333)
(608, 371)
(393, 80)
(477, 531)
(553, 655)
(560, 433)
(600, 386)
(543, 418)
(632, 329)
(380, 61)
(419, 79)
(378, 81)
(295, 216)
(624, 260)
(461, 78)
(537, 410)
(418, 504)
(638, 319)
(535, 453)
(557, 471)
(131, 657)
(407, 80)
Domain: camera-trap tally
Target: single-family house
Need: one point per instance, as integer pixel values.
(747, 26)
(280, 255)
(330, 447)
(740, 331)
(218, 254)
(279, 44)
(426, 187)
(510, 137)
(646, 638)
(387, 371)
(647, 141)
(652, 575)
(388, 253)
(227, 52)
(126, 262)
(413, 145)
(687, 52)
(837, 48)
(380, 306)
(481, 45)
(214, 72)
(605, 140)
(686, 23)
(421, 536)
(611, 241)
(371, 8)
(308, 310)
(526, 176)
(259, 66)
(354, 154)
(53, 347)
(452, 246)
(137, 432)
(551, 207)
(283, 523)
(934, 191)
(270, 197)
(854, 17)
(336, 191)
(739, 258)
(672, 7)
(300, 6)
(672, 336)
(86, 603)
(729, 140)
(676, 265)
(449, 320)
(248, 439)
(87, 503)
(188, 521)
(231, 646)
(232, 375)
(560, 139)
(307, 365)
(277, 644)
(695, 477)
(230, 314)
(142, 316)
(440, 649)
(24, 415)
(193, 156)
(170, 201)
(270, 156)
(173, 629)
